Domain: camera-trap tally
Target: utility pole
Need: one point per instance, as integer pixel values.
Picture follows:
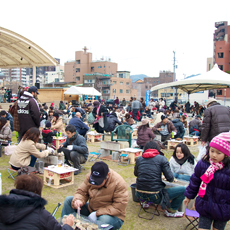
(174, 73)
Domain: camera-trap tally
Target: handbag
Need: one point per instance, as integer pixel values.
(101, 122)
(91, 118)
(10, 149)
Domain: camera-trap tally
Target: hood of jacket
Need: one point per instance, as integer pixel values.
(176, 120)
(18, 204)
(150, 153)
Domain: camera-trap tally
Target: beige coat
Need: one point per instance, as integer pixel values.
(58, 125)
(111, 199)
(21, 156)
(5, 133)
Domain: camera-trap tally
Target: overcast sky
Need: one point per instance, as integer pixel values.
(139, 35)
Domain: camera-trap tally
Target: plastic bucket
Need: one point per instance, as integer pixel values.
(133, 187)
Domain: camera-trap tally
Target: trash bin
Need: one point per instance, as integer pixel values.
(133, 187)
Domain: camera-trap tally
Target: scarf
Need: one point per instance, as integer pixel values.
(208, 176)
(190, 158)
(73, 138)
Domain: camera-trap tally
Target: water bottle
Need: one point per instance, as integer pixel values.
(0, 184)
(172, 135)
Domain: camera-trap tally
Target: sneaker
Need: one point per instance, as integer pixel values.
(145, 205)
(175, 215)
(77, 172)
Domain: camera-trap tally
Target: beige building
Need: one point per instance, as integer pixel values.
(122, 88)
(83, 64)
(209, 63)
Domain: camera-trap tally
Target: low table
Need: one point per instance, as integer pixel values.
(173, 143)
(133, 153)
(191, 141)
(93, 136)
(58, 141)
(57, 175)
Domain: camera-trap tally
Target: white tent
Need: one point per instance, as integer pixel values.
(73, 90)
(213, 79)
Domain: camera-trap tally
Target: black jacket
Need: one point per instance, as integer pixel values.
(28, 112)
(25, 210)
(179, 126)
(112, 121)
(47, 135)
(148, 170)
(216, 120)
(102, 111)
(79, 145)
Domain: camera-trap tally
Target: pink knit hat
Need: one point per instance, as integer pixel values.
(222, 143)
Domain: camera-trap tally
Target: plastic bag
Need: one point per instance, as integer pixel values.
(91, 118)
(10, 149)
(202, 152)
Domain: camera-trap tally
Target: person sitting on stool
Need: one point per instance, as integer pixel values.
(75, 148)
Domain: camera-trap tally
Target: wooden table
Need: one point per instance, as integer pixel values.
(191, 141)
(58, 177)
(173, 143)
(58, 141)
(133, 153)
(94, 136)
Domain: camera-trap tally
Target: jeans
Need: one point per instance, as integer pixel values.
(182, 176)
(196, 133)
(135, 112)
(73, 156)
(106, 219)
(176, 195)
(32, 161)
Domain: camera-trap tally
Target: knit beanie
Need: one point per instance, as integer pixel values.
(222, 143)
(48, 124)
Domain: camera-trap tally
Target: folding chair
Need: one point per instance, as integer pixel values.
(143, 203)
(13, 173)
(121, 161)
(193, 222)
(92, 156)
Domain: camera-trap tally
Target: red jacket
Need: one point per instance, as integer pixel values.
(138, 115)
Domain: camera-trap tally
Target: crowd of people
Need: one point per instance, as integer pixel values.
(103, 196)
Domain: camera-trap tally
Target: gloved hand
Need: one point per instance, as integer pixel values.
(51, 151)
(70, 147)
(92, 217)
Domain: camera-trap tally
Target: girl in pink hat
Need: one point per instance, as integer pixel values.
(211, 181)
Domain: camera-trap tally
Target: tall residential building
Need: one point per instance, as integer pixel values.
(221, 52)
(83, 64)
(15, 75)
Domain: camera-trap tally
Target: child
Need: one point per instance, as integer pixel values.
(211, 181)
(182, 163)
(47, 134)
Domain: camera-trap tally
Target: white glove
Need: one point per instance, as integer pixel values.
(92, 217)
(50, 150)
(174, 133)
(70, 147)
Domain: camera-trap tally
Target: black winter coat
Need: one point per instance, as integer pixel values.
(28, 112)
(47, 135)
(25, 210)
(179, 126)
(102, 111)
(216, 120)
(148, 170)
(112, 121)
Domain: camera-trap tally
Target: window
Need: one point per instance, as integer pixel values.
(77, 78)
(99, 67)
(121, 75)
(105, 82)
(78, 70)
(219, 92)
(89, 81)
(127, 83)
(220, 67)
(78, 61)
(92, 69)
(146, 87)
(121, 90)
(221, 55)
(127, 91)
(114, 82)
(121, 83)
(114, 90)
(209, 66)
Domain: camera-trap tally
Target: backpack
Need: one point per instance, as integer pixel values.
(91, 118)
